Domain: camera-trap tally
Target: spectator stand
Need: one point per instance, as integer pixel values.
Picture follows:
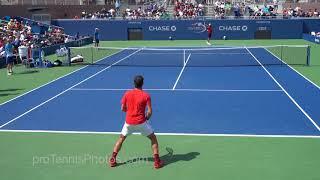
(313, 37)
(35, 40)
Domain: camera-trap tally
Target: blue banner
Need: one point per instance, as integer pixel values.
(310, 38)
(185, 29)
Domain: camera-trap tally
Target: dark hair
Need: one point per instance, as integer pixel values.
(138, 81)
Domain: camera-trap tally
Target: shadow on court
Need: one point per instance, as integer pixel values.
(29, 72)
(13, 89)
(8, 94)
(168, 158)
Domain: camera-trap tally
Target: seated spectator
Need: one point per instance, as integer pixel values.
(316, 13)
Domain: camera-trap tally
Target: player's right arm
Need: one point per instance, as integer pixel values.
(123, 108)
(124, 103)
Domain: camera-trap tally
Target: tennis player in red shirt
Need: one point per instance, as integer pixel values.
(134, 103)
(209, 30)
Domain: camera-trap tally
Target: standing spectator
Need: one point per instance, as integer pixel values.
(96, 37)
(209, 30)
(117, 6)
(316, 13)
(9, 55)
(1, 44)
(23, 52)
(77, 36)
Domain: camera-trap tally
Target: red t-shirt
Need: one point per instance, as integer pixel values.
(209, 29)
(136, 101)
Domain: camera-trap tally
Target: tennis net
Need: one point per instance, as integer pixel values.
(202, 57)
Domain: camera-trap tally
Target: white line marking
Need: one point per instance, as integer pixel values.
(200, 53)
(184, 65)
(163, 134)
(67, 90)
(193, 90)
(294, 69)
(114, 89)
(291, 98)
(56, 79)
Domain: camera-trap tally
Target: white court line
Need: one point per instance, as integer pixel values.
(12, 120)
(184, 65)
(194, 52)
(294, 69)
(192, 90)
(290, 97)
(57, 79)
(164, 134)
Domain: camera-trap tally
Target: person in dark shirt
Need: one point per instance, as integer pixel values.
(209, 30)
(96, 37)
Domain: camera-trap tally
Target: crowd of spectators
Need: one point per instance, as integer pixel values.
(299, 12)
(102, 14)
(316, 34)
(187, 9)
(222, 9)
(263, 11)
(147, 11)
(150, 11)
(20, 35)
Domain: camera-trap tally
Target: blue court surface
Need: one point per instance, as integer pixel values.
(231, 92)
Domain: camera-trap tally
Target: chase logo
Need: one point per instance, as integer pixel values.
(233, 28)
(197, 27)
(162, 28)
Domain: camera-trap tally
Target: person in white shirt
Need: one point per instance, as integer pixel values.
(316, 13)
(23, 52)
(22, 37)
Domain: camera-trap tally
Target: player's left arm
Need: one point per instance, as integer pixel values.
(149, 109)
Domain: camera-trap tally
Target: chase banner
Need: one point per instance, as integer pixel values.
(185, 29)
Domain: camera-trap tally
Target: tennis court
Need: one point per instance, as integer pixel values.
(221, 91)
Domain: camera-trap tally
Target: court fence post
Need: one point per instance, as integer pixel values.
(69, 56)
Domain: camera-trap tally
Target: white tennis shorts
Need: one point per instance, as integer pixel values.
(145, 129)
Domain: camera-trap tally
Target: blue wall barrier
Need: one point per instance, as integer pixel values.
(310, 25)
(190, 29)
(310, 38)
(80, 42)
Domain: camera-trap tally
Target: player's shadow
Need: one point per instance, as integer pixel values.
(12, 89)
(168, 158)
(173, 158)
(8, 94)
(29, 72)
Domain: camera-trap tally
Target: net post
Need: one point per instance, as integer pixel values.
(91, 49)
(308, 55)
(184, 57)
(281, 54)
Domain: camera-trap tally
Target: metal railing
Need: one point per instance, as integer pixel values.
(202, 18)
(47, 2)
